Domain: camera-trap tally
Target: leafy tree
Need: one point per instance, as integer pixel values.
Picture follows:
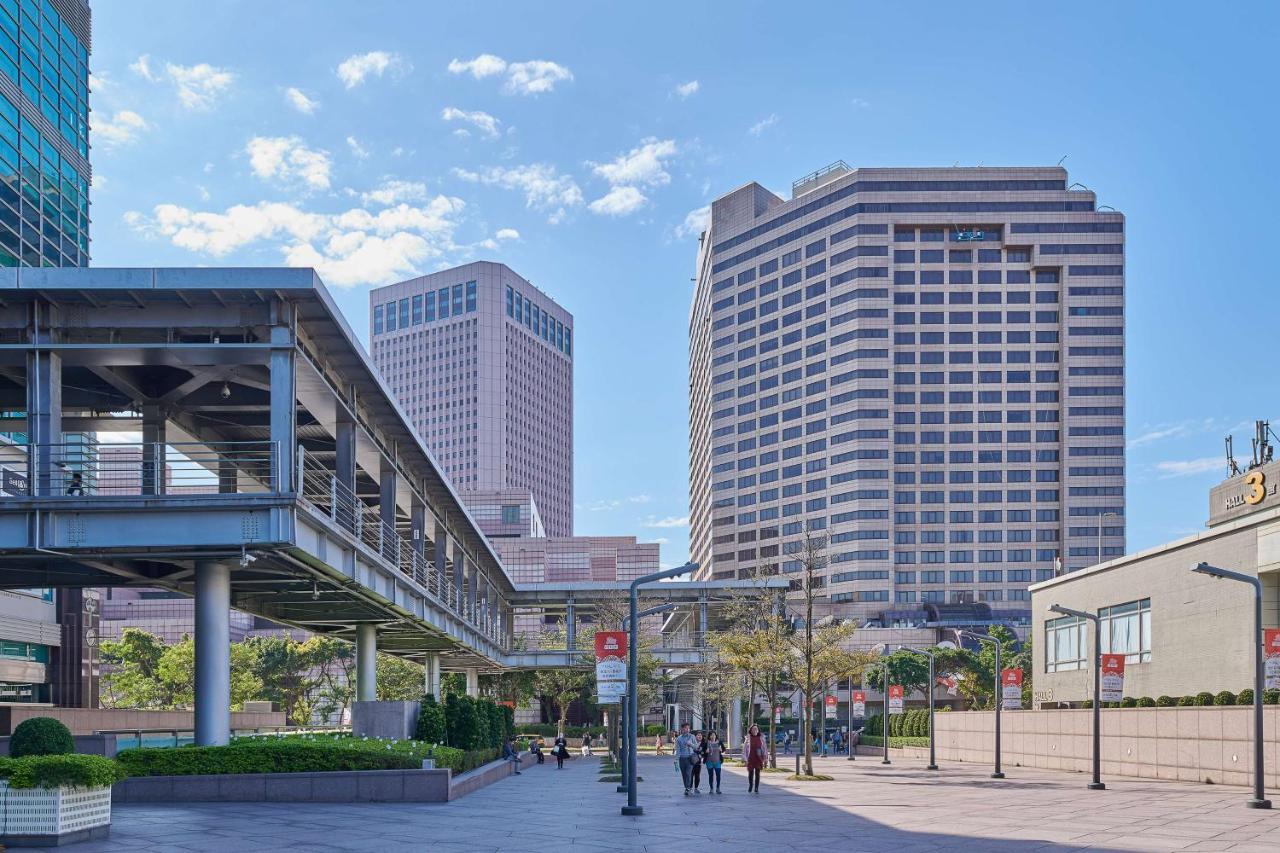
(177, 666)
(130, 676)
(335, 672)
(289, 674)
(431, 721)
(562, 687)
(907, 669)
(399, 679)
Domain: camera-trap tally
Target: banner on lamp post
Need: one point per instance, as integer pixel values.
(895, 698)
(611, 666)
(1011, 689)
(1112, 678)
(859, 704)
(777, 714)
(831, 705)
(1271, 651)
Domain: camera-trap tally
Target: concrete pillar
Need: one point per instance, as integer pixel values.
(153, 453)
(44, 407)
(459, 576)
(387, 481)
(432, 667)
(441, 558)
(733, 731)
(570, 624)
(366, 662)
(283, 393)
(418, 524)
(213, 653)
(473, 681)
(473, 589)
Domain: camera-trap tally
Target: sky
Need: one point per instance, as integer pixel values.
(580, 144)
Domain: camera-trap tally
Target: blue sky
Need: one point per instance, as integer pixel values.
(578, 142)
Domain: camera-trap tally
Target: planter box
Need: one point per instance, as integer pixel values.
(49, 817)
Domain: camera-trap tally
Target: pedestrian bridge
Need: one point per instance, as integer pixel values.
(221, 433)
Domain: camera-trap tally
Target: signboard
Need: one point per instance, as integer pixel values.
(611, 667)
(949, 682)
(831, 708)
(1112, 678)
(1271, 652)
(1011, 689)
(12, 482)
(859, 704)
(895, 698)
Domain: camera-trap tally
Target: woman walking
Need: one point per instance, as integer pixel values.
(658, 745)
(586, 746)
(713, 758)
(753, 750)
(560, 751)
(697, 763)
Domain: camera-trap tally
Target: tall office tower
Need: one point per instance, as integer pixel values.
(482, 362)
(46, 652)
(925, 366)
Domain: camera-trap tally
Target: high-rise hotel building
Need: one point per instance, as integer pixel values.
(923, 366)
(482, 362)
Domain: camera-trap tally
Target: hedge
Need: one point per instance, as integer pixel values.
(872, 740)
(570, 732)
(41, 736)
(298, 754)
(60, 771)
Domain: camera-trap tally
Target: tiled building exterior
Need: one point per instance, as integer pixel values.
(925, 365)
(482, 361)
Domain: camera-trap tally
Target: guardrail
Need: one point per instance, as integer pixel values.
(127, 469)
(167, 738)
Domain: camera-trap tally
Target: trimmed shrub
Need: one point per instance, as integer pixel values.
(1088, 703)
(1225, 697)
(41, 736)
(872, 740)
(462, 722)
(1146, 702)
(60, 771)
(1165, 701)
(1128, 702)
(431, 725)
(1271, 697)
(1187, 701)
(1204, 698)
(654, 729)
(508, 721)
(1245, 697)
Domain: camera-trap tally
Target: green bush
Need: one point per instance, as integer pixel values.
(41, 736)
(508, 721)
(1187, 701)
(1204, 698)
(873, 740)
(497, 723)
(1165, 701)
(431, 725)
(464, 728)
(1088, 703)
(1271, 697)
(1128, 702)
(1245, 697)
(60, 771)
(1225, 697)
(654, 729)
(1146, 702)
(549, 730)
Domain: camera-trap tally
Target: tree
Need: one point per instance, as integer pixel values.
(177, 674)
(975, 674)
(289, 673)
(335, 675)
(399, 679)
(907, 669)
(754, 646)
(130, 676)
(562, 686)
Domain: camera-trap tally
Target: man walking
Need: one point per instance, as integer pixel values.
(685, 746)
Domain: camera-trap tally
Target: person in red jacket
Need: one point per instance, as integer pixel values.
(754, 751)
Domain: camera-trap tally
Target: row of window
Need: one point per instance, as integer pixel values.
(542, 324)
(1126, 629)
(41, 55)
(425, 308)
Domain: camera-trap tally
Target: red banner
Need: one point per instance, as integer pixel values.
(895, 698)
(1112, 678)
(1011, 689)
(611, 644)
(1271, 654)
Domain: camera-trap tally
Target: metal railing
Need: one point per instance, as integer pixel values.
(683, 640)
(128, 469)
(164, 738)
(321, 488)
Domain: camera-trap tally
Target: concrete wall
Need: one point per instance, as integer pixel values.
(104, 745)
(384, 719)
(85, 721)
(1188, 744)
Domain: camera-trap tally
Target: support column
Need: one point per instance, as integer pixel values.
(153, 455)
(733, 727)
(418, 524)
(473, 681)
(473, 584)
(387, 480)
(570, 624)
(432, 667)
(44, 407)
(366, 662)
(283, 393)
(213, 654)
(440, 556)
(459, 576)
(344, 469)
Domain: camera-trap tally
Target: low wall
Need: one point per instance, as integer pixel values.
(359, 786)
(104, 745)
(1190, 744)
(87, 721)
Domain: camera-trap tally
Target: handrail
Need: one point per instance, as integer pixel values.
(123, 469)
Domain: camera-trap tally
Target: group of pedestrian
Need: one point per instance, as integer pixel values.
(694, 751)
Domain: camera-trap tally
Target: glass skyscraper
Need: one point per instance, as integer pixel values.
(44, 133)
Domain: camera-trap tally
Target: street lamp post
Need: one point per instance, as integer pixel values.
(1096, 784)
(625, 714)
(1102, 520)
(1259, 800)
(933, 763)
(631, 808)
(849, 709)
(885, 719)
(985, 638)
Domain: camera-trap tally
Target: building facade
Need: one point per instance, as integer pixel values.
(924, 367)
(47, 638)
(482, 362)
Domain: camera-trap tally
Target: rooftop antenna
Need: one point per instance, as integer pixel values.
(1263, 450)
(1064, 156)
(1233, 467)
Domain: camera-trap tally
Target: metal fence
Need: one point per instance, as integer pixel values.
(125, 469)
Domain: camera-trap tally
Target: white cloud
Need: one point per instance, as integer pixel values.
(1189, 467)
(121, 129)
(287, 160)
(669, 521)
(357, 149)
(507, 234)
(204, 192)
(395, 191)
(99, 82)
(533, 77)
(763, 125)
(860, 102)
(98, 182)
(142, 67)
(685, 90)
(641, 165)
(486, 123)
(199, 86)
(350, 248)
(619, 201)
(544, 188)
(695, 222)
(354, 70)
(299, 100)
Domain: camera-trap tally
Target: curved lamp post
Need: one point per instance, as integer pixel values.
(884, 653)
(986, 638)
(631, 808)
(933, 763)
(1259, 800)
(1096, 784)
(624, 716)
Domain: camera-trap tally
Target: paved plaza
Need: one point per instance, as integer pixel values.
(870, 807)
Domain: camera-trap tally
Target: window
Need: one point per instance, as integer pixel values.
(1065, 644)
(511, 514)
(1126, 629)
(377, 319)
